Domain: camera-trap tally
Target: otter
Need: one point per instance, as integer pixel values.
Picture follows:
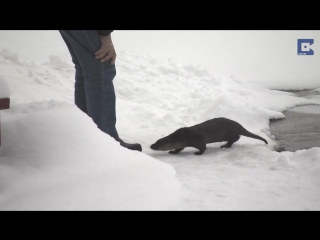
(197, 136)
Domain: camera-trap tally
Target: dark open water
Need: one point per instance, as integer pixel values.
(301, 127)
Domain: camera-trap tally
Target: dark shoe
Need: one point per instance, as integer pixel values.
(131, 146)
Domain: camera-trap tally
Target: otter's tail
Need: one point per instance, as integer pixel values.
(251, 135)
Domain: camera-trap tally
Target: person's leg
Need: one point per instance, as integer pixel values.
(98, 79)
(79, 93)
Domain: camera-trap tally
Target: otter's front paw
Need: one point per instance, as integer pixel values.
(198, 153)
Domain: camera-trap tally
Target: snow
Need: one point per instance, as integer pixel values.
(249, 179)
(4, 90)
(56, 159)
(53, 156)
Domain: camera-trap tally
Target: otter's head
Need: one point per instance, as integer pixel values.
(173, 141)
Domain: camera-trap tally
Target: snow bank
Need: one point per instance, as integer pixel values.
(171, 96)
(32, 81)
(57, 159)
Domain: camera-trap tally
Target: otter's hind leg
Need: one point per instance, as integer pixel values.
(201, 150)
(176, 151)
(201, 145)
(230, 142)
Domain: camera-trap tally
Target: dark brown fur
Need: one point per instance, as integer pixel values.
(197, 136)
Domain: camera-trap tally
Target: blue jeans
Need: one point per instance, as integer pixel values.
(94, 90)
